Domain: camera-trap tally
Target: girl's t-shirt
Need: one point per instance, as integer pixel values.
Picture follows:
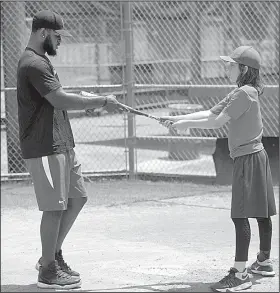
(245, 126)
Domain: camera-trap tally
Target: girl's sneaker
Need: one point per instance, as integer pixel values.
(263, 268)
(234, 281)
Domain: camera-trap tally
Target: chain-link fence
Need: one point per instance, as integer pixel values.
(175, 66)
(180, 41)
(89, 58)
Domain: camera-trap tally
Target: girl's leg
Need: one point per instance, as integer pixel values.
(243, 237)
(238, 278)
(263, 265)
(265, 234)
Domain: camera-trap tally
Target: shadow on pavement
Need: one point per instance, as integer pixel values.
(176, 286)
(160, 287)
(23, 288)
(31, 288)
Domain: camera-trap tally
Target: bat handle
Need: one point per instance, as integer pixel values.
(163, 120)
(154, 117)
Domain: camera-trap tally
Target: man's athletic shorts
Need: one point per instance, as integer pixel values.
(56, 178)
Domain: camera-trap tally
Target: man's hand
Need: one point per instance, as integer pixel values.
(109, 103)
(113, 105)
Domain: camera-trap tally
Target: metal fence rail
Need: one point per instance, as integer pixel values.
(161, 57)
(102, 142)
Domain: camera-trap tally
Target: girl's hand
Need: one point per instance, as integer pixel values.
(166, 123)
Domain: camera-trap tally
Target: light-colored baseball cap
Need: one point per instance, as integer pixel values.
(245, 55)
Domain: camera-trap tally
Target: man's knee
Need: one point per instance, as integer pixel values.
(52, 216)
(77, 202)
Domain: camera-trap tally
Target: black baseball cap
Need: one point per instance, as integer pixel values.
(51, 20)
(246, 55)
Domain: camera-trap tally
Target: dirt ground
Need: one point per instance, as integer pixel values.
(136, 236)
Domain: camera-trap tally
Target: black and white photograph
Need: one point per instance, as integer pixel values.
(140, 146)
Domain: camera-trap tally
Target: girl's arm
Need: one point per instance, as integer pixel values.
(192, 116)
(211, 122)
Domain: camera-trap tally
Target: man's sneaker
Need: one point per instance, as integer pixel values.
(52, 277)
(63, 265)
(263, 268)
(234, 281)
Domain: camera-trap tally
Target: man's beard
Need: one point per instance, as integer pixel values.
(48, 46)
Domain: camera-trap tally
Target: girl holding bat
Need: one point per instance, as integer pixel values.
(252, 188)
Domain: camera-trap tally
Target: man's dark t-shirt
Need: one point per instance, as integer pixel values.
(43, 129)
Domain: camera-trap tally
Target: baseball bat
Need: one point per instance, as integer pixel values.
(129, 109)
(137, 112)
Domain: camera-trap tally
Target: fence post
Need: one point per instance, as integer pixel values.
(277, 38)
(13, 34)
(195, 21)
(235, 22)
(129, 82)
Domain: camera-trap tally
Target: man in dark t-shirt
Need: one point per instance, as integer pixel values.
(47, 145)
(43, 129)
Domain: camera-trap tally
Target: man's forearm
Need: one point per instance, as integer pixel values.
(78, 102)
